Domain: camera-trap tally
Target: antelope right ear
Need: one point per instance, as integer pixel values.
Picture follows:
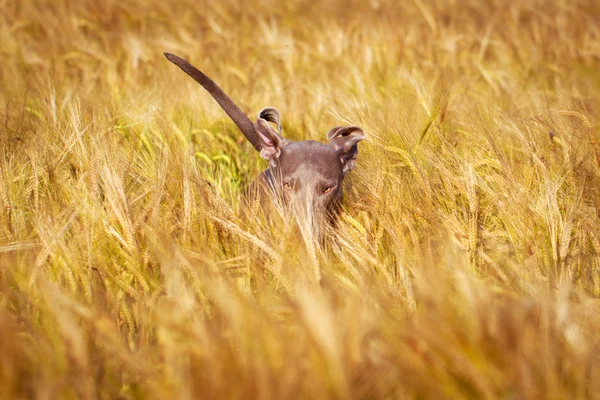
(271, 114)
(272, 142)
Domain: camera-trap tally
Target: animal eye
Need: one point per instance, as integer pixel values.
(327, 189)
(287, 185)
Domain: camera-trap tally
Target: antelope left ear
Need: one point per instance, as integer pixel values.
(344, 139)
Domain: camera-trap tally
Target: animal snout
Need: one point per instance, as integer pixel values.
(309, 203)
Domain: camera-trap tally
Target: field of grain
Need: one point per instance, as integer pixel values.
(466, 264)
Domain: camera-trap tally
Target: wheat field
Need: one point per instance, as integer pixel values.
(466, 261)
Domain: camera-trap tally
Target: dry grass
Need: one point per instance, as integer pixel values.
(466, 264)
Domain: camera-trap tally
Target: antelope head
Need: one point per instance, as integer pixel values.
(305, 175)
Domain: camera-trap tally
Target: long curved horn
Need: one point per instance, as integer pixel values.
(241, 120)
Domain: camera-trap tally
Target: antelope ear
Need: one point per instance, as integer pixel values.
(272, 142)
(344, 139)
(271, 114)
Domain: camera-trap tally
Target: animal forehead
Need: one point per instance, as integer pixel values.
(310, 157)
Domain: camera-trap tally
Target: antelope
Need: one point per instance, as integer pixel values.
(306, 175)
